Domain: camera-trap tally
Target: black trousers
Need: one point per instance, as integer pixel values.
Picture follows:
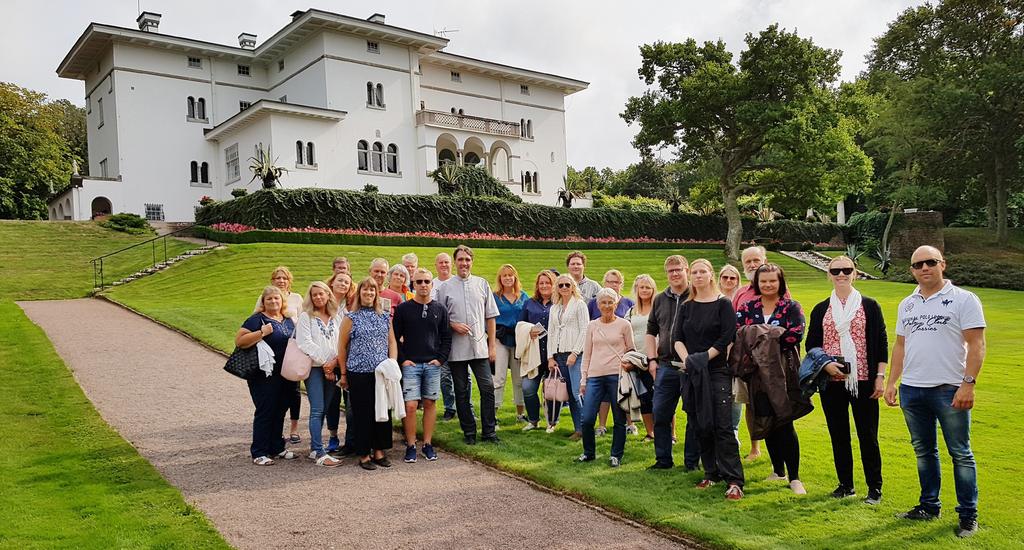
(485, 385)
(784, 450)
(367, 433)
(719, 450)
(836, 402)
(271, 397)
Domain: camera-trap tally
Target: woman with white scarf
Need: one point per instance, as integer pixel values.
(850, 325)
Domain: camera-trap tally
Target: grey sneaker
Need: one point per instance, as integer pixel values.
(874, 496)
(613, 462)
(966, 528)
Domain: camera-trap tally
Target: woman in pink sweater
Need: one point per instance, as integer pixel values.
(608, 339)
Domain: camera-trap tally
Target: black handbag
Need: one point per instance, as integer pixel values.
(243, 363)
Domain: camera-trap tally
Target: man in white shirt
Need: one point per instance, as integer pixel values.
(471, 313)
(940, 347)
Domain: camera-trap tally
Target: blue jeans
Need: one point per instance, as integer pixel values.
(571, 373)
(531, 400)
(320, 391)
(421, 381)
(922, 408)
(603, 388)
(448, 389)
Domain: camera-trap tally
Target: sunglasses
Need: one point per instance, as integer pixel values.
(837, 270)
(422, 281)
(730, 278)
(424, 314)
(930, 262)
(564, 285)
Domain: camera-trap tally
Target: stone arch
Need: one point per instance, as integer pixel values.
(474, 152)
(447, 148)
(500, 165)
(101, 207)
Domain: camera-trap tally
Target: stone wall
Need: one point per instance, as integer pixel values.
(916, 229)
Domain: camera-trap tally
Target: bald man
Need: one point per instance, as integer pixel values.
(940, 346)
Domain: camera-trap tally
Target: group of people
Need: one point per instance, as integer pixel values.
(401, 338)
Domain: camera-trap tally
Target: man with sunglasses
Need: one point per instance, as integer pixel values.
(940, 347)
(424, 341)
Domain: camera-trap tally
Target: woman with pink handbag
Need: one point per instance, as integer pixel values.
(567, 328)
(317, 337)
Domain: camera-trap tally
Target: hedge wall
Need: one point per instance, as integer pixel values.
(333, 208)
(799, 231)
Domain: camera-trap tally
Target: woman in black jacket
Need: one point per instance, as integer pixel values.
(850, 325)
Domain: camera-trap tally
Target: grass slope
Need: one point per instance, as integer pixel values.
(69, 480)
(211, 296)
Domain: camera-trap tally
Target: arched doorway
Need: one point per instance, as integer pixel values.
(473, 152)
(101, 207)
(500, 161)
(447, 148)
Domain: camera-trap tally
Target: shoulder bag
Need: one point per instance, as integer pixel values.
(243, 363)
(555, 388)
(296, 364)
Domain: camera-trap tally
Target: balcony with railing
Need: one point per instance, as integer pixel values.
(470, 123)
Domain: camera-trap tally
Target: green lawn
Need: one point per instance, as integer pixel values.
(209, 298)
(67, 480)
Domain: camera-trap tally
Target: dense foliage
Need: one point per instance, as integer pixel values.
(132, 224)
(470, 181)
(798, 231)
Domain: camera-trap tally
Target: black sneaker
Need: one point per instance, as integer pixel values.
(918, 513)
(410, 454)
(383, 462)
(843, 491)
(448, 415)
(491, 439)
(967, 527)
(469, 440)
(874, 496)
(660, 466)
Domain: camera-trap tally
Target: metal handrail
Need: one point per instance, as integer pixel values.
(97, 262)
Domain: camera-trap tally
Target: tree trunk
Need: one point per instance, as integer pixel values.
(990, 199)
(1001, 193)
(734, 237)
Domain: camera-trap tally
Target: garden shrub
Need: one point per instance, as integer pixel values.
(470, 181)
(971, 270)
(340, 209)
(789, 231)
(132, 224)
(636, 204)
(869, 226)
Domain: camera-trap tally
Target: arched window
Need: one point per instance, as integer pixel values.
(446, 156)
(377, 157)
(380, 95)
(453, 110)
(191, 102)
(461, 113)
(310, 159)
(298, 152)
(193, 168)
(204, 172)
(471, 158)
(363, 149)
(522, 127)
(536, 182)
(392, 158)
(528, 182)
(369, 93)
(201, 109)
(529, 129)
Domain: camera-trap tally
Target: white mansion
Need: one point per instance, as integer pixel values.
(343, 102)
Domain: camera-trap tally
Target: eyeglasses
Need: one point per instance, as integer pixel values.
(564, 285)
(930, 262)
(837, 270)
(422, 281)
(730, 278)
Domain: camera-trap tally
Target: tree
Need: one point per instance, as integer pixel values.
(73, 130)
(770, 122)
(35, 161)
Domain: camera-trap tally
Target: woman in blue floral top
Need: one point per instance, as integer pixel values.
(773, 308)
(365, 340)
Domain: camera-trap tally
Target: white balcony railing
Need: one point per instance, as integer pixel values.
(467, 122)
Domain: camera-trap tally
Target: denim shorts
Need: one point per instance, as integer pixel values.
(421, 381)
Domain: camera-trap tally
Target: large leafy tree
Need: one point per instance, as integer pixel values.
(35, 160)
(771, 122)
(964, 62)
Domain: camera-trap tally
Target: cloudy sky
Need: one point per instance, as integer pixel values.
(596, 40)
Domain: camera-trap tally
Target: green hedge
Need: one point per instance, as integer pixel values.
(338, 209)
(868, 227)
(971, 270)
(789, 231)
(264, 236)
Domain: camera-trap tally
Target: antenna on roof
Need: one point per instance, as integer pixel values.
(444, 32)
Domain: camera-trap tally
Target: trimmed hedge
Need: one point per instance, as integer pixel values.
(339, 209)
(789, 231)
(264, 236)
(971, 270)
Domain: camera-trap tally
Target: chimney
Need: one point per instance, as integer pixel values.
(247, 41)
(376, 18)
(297, 14)
(148, 21)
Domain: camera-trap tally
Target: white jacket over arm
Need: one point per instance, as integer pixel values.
(312, 341)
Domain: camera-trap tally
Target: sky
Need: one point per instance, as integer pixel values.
(596, 41)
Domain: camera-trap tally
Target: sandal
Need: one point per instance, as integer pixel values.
(294, 438)
(263, 461)
(368, 465)
(328, 461)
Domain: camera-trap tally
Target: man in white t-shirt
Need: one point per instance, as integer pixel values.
(443, 267)
(940, 346)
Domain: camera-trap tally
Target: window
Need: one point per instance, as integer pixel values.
(453, 110)
(372, 47)
(531, 182)
(191, 105)
(446, 156)
(201, 109)
(471, 159)
(379, 96)
(195, 62)
(377, 157)
(528, 130)
(243, 70)
(536, 182)
(363, 155)
(456, 76)
(369, 93)
(299, 149)
(392, 159)
(103, 169)
(310, 157)
(204, 172)
(524, 89)
(280, 65)
(243, 105)
(461, 112)
(99, 107)
(231, 161)
(155, 212)
(193, 168)
(522, 127)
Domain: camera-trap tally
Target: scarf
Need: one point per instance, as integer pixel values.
(842, 316)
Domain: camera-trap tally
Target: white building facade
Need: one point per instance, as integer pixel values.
(341, 102)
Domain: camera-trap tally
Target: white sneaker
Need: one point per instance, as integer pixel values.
(287, 455)
(798, 487)
(529, 426)
(551, 428)
(632, 429)
(600, 431)
(775, 477)
(613, 462)
(312, 455)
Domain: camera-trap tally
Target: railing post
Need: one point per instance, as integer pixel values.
(102, 282)
(154, 253)
(165, 249)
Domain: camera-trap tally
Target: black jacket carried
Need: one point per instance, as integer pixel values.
(695, 388)
(874, 328)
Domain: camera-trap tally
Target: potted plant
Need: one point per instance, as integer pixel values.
(205, 200)
(264, 168)
(238, 192)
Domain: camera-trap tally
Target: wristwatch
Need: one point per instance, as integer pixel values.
(969, 380)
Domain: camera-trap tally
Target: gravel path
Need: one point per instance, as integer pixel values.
(168, 396)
